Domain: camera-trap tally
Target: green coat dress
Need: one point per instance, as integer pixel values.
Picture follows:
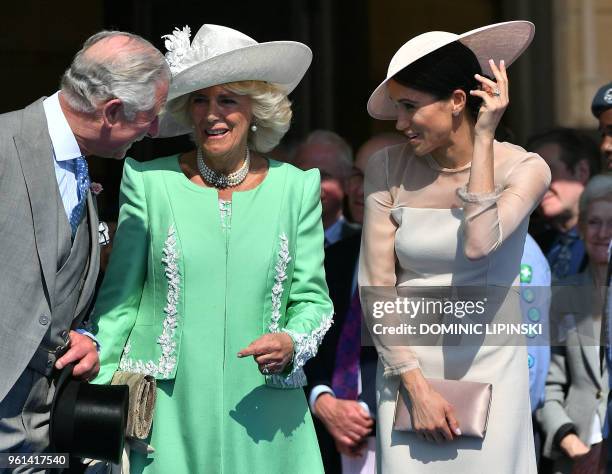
(193, 280)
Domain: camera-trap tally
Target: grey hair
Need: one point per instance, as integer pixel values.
(598, 188)
(130, 74)
(327, 137)
(271, 110)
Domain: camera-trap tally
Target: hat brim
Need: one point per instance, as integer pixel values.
(505, 41)
(283, 63)
(88, 420)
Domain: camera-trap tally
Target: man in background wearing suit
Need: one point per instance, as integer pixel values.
(573, 158)
(110, 97)
(332, 155)
(341, 379)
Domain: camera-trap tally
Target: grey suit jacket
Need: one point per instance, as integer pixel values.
(29, 241)
(575, 385)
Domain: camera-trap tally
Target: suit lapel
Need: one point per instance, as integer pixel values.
(35, 152)
(587, 327)
(588, 347)
(93, 263)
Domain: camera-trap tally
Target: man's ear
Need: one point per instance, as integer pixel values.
(112, 112)
(458, 101)
(582, 171)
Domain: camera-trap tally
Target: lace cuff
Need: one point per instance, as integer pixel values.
(401, 368)
(305, 346)
(295, 379)
(479, 198)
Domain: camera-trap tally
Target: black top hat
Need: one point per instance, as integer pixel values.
(88, 420)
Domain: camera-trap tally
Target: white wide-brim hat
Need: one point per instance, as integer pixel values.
(219, 55)
(505, 41)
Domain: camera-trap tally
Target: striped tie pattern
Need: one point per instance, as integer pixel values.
(83, 183)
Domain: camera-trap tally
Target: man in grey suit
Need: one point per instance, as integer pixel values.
(110, 97)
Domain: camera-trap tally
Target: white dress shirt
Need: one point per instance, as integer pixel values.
(65, 151)
(334, 232)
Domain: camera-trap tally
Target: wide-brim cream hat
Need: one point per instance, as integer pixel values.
(219, 55)
(505, 41)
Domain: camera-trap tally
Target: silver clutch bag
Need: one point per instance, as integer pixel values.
(471, 401)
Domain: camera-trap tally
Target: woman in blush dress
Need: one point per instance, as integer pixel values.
(451, 209)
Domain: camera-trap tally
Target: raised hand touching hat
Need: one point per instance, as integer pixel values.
(501, 41)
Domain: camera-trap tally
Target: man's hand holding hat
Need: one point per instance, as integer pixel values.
(83, 352)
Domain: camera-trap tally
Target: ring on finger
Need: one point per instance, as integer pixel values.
(266, 369)
(496, 92)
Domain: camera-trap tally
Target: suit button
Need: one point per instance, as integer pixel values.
(44, 320)
(49, 363)
(528, 295)
(530, 360)
(533, 314)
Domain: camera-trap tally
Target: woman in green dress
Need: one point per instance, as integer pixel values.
(216, 285)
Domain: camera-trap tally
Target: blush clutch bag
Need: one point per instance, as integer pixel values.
(471, 401)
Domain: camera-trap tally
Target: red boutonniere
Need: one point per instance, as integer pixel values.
(96, 188)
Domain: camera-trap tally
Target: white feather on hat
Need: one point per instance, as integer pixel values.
(219, 55)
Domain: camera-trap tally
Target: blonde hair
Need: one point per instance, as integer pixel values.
(270, 107)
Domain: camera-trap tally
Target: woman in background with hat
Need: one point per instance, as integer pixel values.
(450, 209)
(219, 256)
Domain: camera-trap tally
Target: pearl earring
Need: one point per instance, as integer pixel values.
(253, 128)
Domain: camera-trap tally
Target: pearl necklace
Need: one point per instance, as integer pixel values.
(220, 180)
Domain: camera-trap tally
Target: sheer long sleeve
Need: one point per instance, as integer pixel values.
(490, 218)
(377, 262)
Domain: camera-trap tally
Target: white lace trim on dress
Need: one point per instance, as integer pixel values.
(305, 345)
(167, 361)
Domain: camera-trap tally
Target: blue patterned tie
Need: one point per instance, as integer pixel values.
(565, 256)
(83, 183)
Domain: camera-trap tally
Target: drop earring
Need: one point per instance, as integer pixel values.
(254, 128)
